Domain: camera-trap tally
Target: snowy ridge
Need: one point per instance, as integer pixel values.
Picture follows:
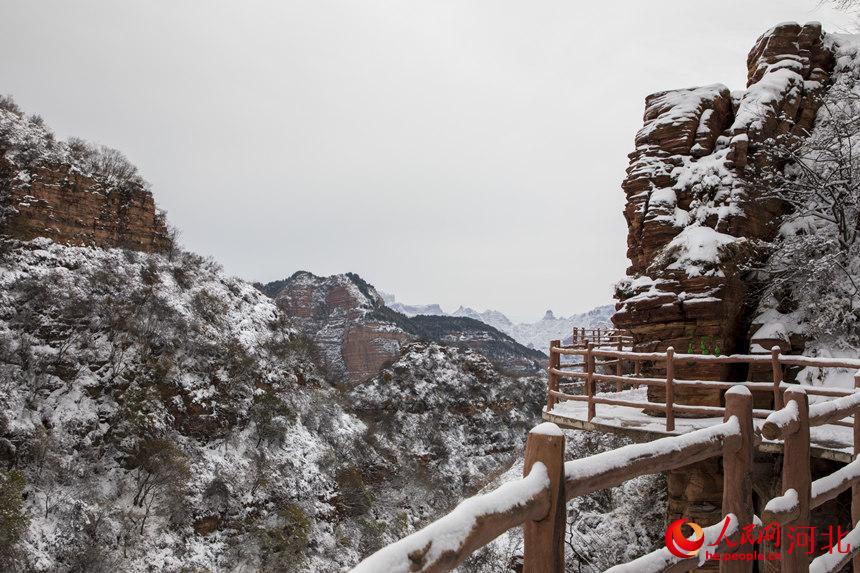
(118, 365)
(530, 334)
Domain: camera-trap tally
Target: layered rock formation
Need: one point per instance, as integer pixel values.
(359, 335)
(74, 194)
(698, 218)
(73, 209)
(694, 214)
(337, 313)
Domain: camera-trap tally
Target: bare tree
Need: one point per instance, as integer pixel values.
(817, 177)
(161, 474)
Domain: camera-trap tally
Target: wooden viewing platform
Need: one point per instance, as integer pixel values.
(614, 396)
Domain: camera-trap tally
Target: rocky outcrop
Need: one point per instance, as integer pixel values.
(72, 192)
(73, 209)
(359, 335)
(695, 217)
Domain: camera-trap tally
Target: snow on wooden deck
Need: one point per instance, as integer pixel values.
(830, 442)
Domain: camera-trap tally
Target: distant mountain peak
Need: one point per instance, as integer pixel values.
(530, 334)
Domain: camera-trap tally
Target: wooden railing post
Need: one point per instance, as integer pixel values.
(777, 377)
(796, 475)
(737, 470)
(670, 389)
(589, 379)
(855, 490)
(552, 379)
(544, 539)
(637, 368)
(619, 367)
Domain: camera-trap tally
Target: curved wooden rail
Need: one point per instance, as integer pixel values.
(614, 467)
(537, 501)
(445, 543)
(787, 421)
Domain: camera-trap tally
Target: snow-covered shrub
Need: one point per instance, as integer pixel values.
(109, 166)
(28, 144)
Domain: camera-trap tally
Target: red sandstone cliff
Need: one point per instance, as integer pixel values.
(359, 336)
(693, 212)
(72, 192)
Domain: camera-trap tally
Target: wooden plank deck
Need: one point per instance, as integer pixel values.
(828, 442)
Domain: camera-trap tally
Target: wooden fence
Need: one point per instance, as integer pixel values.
(628, 367)
(600, 337)
(537, 501)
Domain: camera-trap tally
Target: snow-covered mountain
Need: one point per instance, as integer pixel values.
(123, 369)
(157, 414)
(535, 335)
(492, 317)
(347, 319)
(411, 309)
(538, 334)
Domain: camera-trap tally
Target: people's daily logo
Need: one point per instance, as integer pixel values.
(679, 544)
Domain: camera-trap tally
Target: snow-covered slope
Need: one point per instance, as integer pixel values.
(157, 414)
(475, 414)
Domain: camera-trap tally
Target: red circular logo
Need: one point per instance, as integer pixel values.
(681, 546)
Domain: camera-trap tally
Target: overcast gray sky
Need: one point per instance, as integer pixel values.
(459, 152)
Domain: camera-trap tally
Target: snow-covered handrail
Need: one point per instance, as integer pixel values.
(833, 410)
(830, 486)
(614, 467)
(445, 543)
(598, 336)
(784, 359)
(590, 377)
(537, 501)
(781, 422)
(782, 509)
(785, 421)
(628, 380)
(834, 560)
(786, 508)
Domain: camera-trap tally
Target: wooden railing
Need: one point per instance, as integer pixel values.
(600, 337)
(537, 501)
(628, 368)
(800, 494)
